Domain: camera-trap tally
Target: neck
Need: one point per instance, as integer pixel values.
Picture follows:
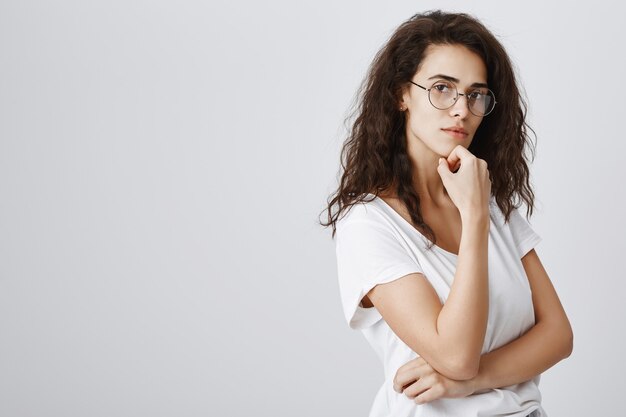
(426, 179)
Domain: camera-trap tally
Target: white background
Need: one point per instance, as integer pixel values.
(162, 167)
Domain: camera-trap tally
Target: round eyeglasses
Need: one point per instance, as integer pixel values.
(443, 94)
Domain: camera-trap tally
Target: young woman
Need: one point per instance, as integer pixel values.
(436, 265)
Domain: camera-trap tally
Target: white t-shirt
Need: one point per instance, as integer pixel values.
(376, 245)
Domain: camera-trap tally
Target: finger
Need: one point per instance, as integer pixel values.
(420, 386)
(453, 160)
(429, 395)
(461, 152)
(443, 169)
(423, 372)
(409, 373)
(458, 154)
(403, 379)
(419, 361)
(416, 388)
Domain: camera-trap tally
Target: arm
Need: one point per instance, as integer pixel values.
(449, 337)
(549, 341)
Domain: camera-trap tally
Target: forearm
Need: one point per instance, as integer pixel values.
(544, 345)
(462, 321)
(540, 348)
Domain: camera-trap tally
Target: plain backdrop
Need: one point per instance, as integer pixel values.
(162, 168)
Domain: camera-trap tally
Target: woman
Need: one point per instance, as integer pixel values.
(436, 265)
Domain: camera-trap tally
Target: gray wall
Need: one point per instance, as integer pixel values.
(162, 166)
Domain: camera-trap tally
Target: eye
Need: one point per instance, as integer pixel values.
(442, 88)
(477, 95)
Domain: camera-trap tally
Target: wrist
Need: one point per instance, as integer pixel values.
(478, 218)
(478, 384)
(475, 223)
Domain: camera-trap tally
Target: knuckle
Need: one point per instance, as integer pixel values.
(435, 377)
(424, 398)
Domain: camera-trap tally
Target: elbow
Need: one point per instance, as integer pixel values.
(462, 369)
(568, 342)
(561, 341)
(467, 371)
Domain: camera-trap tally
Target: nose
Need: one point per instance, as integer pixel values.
(460, 107)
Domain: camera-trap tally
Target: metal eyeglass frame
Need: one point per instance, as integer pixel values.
(457, 97)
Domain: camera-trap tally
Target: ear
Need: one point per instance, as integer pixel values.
(403, 103)
(403, 99)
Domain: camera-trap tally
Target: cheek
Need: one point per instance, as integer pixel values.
(476, 125)
(419, 126)
(424, 119)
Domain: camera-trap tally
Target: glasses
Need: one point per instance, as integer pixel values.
(443, 94)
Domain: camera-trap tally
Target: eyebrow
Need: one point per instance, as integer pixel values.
(456, 80)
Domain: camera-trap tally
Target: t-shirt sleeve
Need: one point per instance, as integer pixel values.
(524, 236)
(368, 253)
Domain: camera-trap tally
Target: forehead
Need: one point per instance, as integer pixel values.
(455, 61)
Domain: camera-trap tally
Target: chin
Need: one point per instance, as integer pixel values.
(466, 144)
(446, 153)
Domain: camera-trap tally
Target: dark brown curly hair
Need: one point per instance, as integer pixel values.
(374, 157)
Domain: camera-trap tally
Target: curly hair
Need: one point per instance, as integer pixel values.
(374, 156)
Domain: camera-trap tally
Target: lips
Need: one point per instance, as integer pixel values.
(456, 132)
(455, 129)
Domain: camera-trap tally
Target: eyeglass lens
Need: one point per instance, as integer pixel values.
(443, 95)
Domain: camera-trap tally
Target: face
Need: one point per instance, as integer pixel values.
(433, 132)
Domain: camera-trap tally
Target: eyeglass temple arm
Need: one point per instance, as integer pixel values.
(423, 88)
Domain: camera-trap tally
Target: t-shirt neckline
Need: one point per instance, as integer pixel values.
(402, 219)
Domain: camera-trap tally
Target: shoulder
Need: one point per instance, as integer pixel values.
(499, 218)
(370, 222)
(516, 229)
(367, 211)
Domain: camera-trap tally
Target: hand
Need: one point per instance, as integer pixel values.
(469, 187)
(421, 383)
